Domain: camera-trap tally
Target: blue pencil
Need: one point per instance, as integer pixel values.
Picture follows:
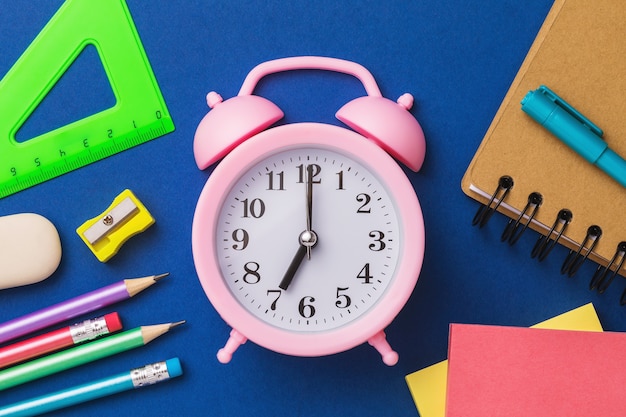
(136, 378)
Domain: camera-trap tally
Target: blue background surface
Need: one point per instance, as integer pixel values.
(456, 57)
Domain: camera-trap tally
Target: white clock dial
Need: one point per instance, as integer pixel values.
(350, 266)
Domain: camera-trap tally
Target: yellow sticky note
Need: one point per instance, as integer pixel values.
(428, 385)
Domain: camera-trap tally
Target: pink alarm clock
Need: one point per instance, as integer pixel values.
(308, 238)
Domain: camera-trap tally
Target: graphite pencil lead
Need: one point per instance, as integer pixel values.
(160, 276)
(178, 323)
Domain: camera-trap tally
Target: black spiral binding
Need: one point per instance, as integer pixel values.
(485, 211)
(544, 244)
(513, 229)
(603, 276)
(574, 260)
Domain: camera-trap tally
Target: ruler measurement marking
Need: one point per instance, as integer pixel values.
(70, 162)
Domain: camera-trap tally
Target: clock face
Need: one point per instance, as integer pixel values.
(346, 248)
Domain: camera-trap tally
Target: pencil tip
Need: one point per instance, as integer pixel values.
(160, 276)
(178, 323)
(149, 333)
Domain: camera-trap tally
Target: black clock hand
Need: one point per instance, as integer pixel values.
(293, 267)
(307, 241)
(309, 205)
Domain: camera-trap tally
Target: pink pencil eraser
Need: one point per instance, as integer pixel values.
(113, 321)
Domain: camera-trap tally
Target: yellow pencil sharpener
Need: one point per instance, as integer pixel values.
(107, 232)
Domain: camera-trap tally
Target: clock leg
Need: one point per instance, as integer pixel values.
(379, 342)
(236, 339)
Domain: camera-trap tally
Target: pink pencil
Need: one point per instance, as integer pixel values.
(59, 339)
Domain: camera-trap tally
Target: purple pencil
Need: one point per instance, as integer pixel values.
(82, 304)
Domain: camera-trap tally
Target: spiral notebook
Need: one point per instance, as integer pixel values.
(580, 53)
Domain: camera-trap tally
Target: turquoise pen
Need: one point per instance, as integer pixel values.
(575, 130)
(136, 378)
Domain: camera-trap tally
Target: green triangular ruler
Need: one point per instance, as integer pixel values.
(139, 113)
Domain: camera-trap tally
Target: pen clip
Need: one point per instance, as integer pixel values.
(552, 96)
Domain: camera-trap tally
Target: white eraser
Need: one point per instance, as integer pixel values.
(30, 249)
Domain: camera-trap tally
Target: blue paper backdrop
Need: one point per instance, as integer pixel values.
(456, 57)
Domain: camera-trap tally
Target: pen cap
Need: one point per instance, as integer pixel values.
(564, 122)
(538, 106)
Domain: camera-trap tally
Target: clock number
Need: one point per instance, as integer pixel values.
(254, 208)
(378, 244)
(343, 300)
(252, 275)
(340, 180)
(365, 200)
(306, 310)
(281, 180)
(315, 171)
(242, 238)
(277, 293)
(365, 274)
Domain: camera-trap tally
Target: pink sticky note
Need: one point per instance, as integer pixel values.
(511, 371)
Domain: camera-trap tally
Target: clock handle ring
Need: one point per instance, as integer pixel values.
(312, 63)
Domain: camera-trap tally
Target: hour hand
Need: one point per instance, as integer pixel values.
(293, 267)
(307, 241)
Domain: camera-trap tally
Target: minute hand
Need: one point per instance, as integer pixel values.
(309, 205)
